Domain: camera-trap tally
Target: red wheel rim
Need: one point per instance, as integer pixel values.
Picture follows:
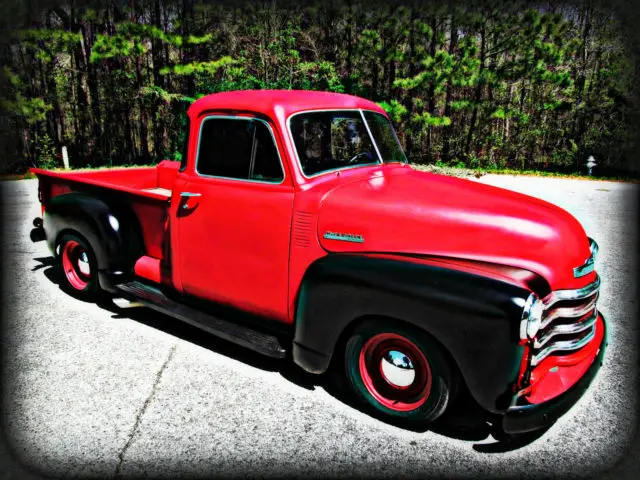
(75, 262)
(395, 372)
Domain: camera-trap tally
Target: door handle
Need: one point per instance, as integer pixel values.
(185, 196)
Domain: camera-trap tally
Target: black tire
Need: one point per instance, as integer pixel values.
(79, 267)
(380, 352)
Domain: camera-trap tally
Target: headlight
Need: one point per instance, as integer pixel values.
(531, 317)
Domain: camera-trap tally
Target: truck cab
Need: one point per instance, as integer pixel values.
(294, 226)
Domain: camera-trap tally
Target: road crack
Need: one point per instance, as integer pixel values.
(142, 410)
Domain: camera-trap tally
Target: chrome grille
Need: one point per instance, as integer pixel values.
(567, 321)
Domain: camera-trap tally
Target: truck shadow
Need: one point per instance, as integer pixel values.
(463, 420)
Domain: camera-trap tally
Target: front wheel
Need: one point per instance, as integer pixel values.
(398, 371)
(79, 267)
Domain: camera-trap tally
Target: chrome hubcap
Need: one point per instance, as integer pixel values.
(83, 264)
(397, 369)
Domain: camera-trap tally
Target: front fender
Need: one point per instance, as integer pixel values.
(475, 318)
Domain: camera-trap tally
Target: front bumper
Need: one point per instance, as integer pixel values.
(526, 418)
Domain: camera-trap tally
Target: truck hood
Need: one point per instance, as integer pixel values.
(411, 212)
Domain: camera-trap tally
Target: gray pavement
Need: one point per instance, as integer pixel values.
(92, 392)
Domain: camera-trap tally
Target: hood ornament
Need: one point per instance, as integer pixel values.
(588, 266)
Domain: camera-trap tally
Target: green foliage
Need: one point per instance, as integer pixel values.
(46, 153)
(164, 96)
(111, 46)
(56, 40)
(320, 76)
(395, 110)
(499, 113)
(209, 68)
(426, 120)
(491, 87)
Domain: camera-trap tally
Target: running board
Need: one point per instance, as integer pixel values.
(151, 297)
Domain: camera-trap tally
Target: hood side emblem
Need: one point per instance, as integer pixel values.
(344, 237)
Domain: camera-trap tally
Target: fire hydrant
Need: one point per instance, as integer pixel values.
(591, 162)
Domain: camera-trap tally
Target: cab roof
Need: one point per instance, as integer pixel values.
(272, 102)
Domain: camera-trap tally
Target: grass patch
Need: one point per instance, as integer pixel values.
(16, 176)
(479, 172)
(29, 175)
(450, 171)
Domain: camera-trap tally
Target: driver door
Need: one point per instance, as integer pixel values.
(235, 217)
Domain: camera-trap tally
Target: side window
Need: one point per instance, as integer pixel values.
(266, 165)
(238, 148)
(225, 148)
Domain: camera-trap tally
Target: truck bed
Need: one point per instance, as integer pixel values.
(152, 182)
(145, 189)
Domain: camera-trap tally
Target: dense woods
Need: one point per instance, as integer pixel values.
(515, 85)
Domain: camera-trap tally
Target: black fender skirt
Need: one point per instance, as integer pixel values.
(476, 319)
(112, 231)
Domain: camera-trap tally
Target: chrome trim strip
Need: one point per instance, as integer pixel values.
(566, 329)
(534, 308)
(570, 312)
(373, 140)
(562, 346)
(593, 246)
(577, 294)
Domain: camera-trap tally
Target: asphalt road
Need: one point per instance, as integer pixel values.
(89, 392)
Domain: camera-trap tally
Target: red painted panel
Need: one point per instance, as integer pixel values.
(149, 268)
(400, 210)
(153, 222)
(130, 180)
(59, 189)
(267, 102)
(167, 171)
(234, 243)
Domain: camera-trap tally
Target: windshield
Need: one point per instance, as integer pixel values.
(340, 139)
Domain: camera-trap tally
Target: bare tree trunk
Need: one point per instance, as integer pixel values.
(409, 144)
(453, 41)
(431, 91)
(478, 92)
(158, 124)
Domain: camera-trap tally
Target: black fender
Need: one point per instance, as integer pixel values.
(476, 319)
(116, 244)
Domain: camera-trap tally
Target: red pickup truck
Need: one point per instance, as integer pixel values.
(294, 226)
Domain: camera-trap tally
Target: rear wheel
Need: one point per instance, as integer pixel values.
(79, 267)
(398, 371)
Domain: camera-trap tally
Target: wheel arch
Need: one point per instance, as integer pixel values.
(474, 318)
(356, 322)
(456, 375)
(111, 229)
